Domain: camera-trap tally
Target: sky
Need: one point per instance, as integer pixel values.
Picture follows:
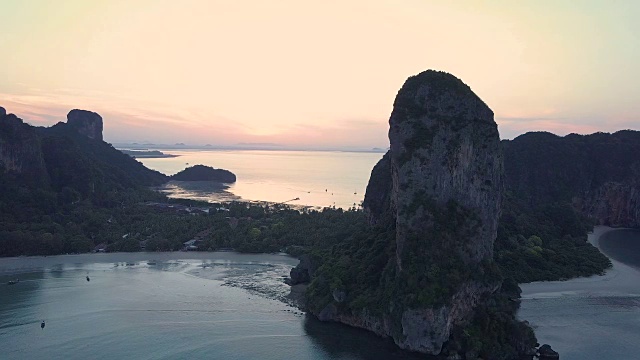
(314, 74)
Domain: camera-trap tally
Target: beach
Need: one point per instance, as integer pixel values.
(596, 317)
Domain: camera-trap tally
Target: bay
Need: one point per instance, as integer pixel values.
(220, 305)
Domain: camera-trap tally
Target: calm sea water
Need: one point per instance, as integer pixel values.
(592, 318)
(318, 178)
(185, 306)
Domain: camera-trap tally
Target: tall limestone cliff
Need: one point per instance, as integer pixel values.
(87, 123)
(438, 193)
(20, 153)
(445, 147)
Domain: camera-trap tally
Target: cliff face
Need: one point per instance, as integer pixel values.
(86, 123)
(445, 147)
(599, 174)
(20, 149)
(613, 204)
(440, 188)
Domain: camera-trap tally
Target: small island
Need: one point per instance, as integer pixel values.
(205, 173)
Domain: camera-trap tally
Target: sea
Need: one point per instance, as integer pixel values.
(301, 178)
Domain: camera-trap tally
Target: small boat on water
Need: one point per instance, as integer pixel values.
(88, 278)
(151, 263)
(42, 325)
(13, 282)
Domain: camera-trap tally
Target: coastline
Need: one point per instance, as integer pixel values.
(619, 279)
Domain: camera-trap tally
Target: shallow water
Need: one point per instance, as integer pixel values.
(591, 318)
(186, 306)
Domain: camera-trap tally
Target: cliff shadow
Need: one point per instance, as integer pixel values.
(345, 342)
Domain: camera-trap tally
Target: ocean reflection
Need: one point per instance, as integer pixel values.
(316, 178)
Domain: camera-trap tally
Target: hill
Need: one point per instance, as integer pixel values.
(57, 182)
(205, 173)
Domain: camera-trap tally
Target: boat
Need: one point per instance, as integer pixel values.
(13, 282)
(88, 278)
(151, 263)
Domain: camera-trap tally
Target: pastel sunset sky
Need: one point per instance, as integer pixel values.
(314, 73)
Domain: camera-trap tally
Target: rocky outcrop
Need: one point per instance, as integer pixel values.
(303, 272)
(87, 123)
(440, 187)
(545, 352)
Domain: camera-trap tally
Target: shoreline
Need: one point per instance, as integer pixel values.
(222, 200)
(26, 264)
(588, 318)
(619, 280)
